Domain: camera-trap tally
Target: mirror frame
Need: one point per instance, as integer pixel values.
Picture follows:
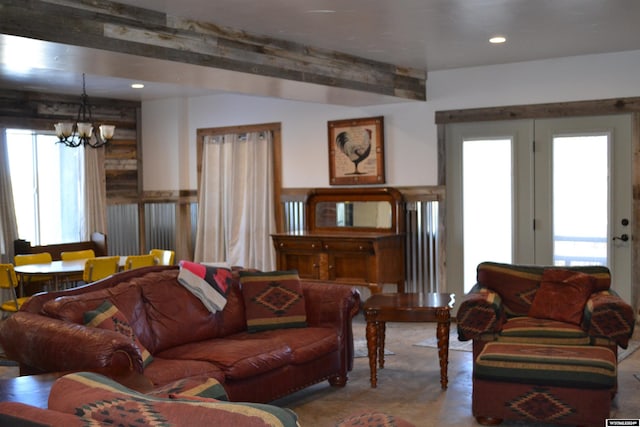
(337, 195)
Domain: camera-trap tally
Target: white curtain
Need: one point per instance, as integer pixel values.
(236, 206)
(8, 223)
(95, 192)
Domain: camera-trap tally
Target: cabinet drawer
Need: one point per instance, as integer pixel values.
(298, 244)
(348, 245)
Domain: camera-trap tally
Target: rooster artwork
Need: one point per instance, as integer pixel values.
(356, 151)
(355, 147)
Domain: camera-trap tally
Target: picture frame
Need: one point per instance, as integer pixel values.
(356, 151)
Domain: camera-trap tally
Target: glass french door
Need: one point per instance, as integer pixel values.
(546, 192)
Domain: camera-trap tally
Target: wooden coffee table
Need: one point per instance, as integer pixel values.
(411, 307)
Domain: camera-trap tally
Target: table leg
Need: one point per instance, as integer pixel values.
(21, 282)
(443, 317)
(372, 350)
(382, 331)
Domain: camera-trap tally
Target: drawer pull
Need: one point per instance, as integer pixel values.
(281, 245)
(361, 247)
(313, 245)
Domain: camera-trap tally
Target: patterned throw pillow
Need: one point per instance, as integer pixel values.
(209, 283)
(562, 295)
(107, 316)
(273, 300)
(516, 284)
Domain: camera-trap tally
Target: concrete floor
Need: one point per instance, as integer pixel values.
(409, 386)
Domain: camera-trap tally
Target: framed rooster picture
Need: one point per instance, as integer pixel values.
(356, 151)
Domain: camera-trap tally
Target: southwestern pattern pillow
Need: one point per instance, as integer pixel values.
(107, 316)
(273, 300)
(562, 295)
(516, 284)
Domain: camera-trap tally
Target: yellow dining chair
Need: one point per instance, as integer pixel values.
(9, 282)
(100, 267)
(164, 256)
(72, 256)
(39, 258)
(137, 261)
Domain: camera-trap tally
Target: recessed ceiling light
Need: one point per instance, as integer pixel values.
(497, 39)
(321, 11)
(137, 85)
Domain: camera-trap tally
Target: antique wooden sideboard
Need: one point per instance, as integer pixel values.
(354, 236)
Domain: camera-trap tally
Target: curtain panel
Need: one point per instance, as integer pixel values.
(236, 210)
(8, 222)
(95, 192)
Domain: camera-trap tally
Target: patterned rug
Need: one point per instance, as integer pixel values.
(454, 343)
(360, 349)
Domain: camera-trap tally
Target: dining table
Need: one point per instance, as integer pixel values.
(57, 269)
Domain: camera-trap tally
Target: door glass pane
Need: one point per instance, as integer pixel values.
(580, 201)
(487, 201)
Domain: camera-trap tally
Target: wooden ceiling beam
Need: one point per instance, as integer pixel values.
(111, 26)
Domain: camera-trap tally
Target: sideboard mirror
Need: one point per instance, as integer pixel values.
(355, 210)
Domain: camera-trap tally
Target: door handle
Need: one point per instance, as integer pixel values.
(623, 237)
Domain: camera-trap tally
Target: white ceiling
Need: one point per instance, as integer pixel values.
(424, 34)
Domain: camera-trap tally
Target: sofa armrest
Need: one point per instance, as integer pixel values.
(480, 312)
(608, 316)
(45, 344)
(329, 305)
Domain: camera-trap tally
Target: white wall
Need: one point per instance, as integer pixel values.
(169, 126)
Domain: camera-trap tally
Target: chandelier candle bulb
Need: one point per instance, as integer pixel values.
(85, 130)
(106, 131)
(81, 133)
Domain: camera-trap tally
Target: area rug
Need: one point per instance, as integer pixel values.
(454, 343)
(360, 349)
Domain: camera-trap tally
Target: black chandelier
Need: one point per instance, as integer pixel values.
(81, 132)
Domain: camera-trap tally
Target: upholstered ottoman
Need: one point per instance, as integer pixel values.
(546, 383)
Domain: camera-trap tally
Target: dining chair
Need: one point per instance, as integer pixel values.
(43, 281)
(164, 256)
(83, 254)
(72, 256)
(137, 261)
(100, 267)
(9, 282)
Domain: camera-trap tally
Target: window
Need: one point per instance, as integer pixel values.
(47, 181)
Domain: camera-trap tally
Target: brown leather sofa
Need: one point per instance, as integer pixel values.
(184, 338)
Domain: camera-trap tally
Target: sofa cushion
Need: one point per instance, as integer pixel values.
(542, 331)
(175, 316)
(238, 356)
(273, 300)
(125, 296)
(562, 295)
(516, 284)
(98, 398)
(202, 387)
(306, 344)
(107, 316)
(164, 371)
